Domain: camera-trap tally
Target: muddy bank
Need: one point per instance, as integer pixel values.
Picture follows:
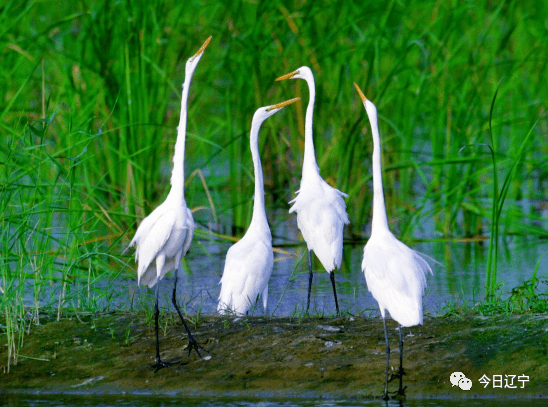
(343, 357)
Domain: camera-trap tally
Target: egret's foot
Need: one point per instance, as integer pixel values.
(192, 344)
(394, 376)
(400, 393)
(160, 364)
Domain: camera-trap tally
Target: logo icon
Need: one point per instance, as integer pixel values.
(465, 383)
(459, 379)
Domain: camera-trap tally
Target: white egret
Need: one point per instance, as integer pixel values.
(395, 274)
(165, 235)
(249, 262)
(321, 210)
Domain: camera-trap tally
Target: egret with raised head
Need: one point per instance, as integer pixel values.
(395, 274)
(164, 236)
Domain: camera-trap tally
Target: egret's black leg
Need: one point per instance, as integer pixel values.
(159, 363)
(332, 276)
(385, 397)
(191, 341)
(401, 390)
(309, 279)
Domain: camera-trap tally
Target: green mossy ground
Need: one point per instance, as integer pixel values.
(340, 357)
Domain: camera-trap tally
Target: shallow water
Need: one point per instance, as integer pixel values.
(459, 278)
(27, 400)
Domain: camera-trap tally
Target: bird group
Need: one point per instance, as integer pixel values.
(394, 273)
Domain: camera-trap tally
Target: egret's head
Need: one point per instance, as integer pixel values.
(303, 72)
(193, 61)
(265, 112)
(369, 106)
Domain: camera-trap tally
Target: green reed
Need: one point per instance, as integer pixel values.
(121, 67)
(52, 248)
(498, 199)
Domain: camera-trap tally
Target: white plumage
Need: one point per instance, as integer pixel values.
(320, 208)
(247, 270)
(396, 277)
(395, 274)
(165, 235)
(249, 262)
(321, 216)
(162, 239)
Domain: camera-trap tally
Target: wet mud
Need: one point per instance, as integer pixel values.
(270, 356)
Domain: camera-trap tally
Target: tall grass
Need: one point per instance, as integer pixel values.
(498, 199)
(55, 240)
(431, 69)
(90, 95)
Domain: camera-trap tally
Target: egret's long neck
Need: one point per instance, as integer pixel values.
(259, 213)
(380, 221)
(178, 173)
(310, 166)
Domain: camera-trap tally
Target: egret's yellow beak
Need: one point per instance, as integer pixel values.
(288, 76)
(362, 96)
(202, 48)
(281, 105)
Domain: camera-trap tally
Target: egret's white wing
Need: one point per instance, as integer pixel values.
(396, 276)
(321, 216)
(248, 267)
(258, 271)
(403, 267)
(155, 239)
(144, 228)
(335, 199)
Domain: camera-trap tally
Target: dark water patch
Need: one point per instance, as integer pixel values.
(146, 400)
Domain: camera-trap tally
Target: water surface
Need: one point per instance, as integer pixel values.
(458, 278)
(145, 400)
